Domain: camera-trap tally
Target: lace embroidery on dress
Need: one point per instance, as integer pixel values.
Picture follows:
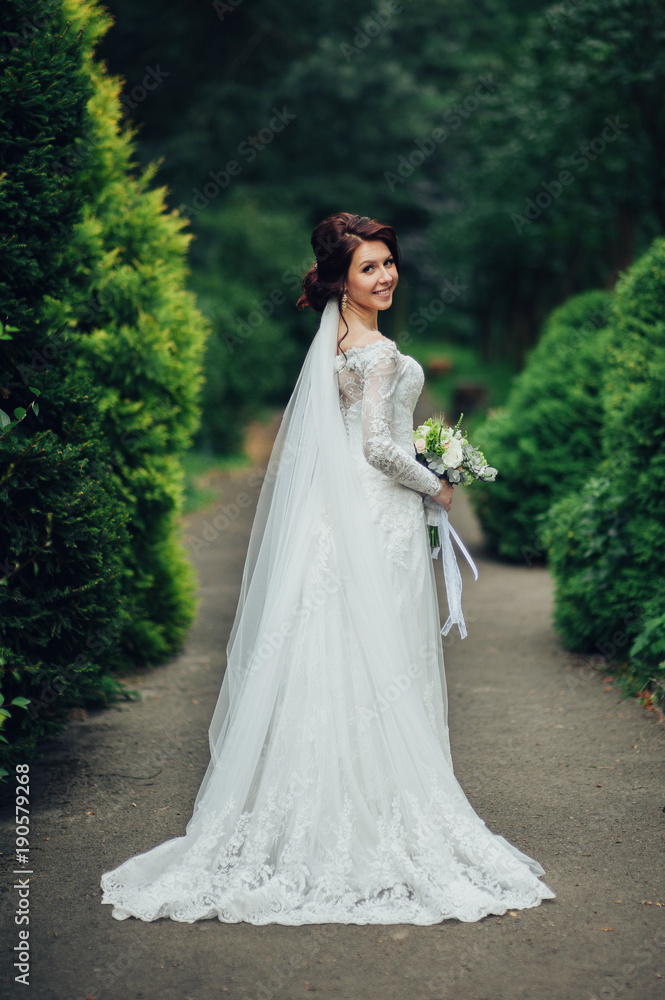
(430, 858)
(379, 388)
(353, 813)
(375, 378)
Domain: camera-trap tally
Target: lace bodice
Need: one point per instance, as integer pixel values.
(379, 388)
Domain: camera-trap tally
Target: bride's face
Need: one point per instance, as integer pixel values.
(372, 277)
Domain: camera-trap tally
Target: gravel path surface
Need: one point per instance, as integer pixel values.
(548, 753)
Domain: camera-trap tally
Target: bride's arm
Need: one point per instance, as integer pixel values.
(378, 446)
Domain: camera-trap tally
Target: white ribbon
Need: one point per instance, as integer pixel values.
(451, 574)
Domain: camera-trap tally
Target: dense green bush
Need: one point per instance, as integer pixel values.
(646, 658)
(62, 529)
(588, 534)
(547, 436)
(63, 535)
(607, 542)
(140, 339)
(100, 324)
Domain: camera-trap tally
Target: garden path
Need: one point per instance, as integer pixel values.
(548, 753)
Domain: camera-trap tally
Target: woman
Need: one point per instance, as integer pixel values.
(330, 794)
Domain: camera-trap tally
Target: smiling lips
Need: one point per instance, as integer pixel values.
(383, 291)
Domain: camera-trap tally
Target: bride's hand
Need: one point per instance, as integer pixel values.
(445, 494)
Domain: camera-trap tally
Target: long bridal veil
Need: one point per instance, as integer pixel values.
(311, 497)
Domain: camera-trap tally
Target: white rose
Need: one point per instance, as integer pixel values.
(453, 454)
(420, 445)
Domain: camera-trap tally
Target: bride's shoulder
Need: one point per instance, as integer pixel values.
(370, 346)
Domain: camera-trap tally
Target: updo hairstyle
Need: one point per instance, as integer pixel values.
(334, 241)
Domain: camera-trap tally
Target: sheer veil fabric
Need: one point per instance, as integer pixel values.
(318, 806)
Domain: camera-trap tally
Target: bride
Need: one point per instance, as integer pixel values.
(330, 794)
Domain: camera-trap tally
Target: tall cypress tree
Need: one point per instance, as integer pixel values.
(99, 385)
(140, 340)
(62, 529)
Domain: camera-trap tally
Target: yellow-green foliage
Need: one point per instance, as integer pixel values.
(141, 340)
(607, 540)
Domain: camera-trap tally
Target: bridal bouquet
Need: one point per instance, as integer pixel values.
(447, 452)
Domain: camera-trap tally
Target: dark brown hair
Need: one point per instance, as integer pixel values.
(334, 241)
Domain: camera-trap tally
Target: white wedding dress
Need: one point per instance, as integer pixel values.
(340, 803)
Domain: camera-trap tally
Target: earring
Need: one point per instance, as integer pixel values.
(344, 301)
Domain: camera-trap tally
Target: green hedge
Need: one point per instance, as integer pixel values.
(63, 537)
(546, 437)
(101, 326)
(607, 542)
(63, 530)
(141, 341)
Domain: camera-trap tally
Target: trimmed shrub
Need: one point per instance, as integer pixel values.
(140, 339)
(99, 323)
(62, 530)
(645, 673)
(547, 436)
(607, 542)
(589, 535)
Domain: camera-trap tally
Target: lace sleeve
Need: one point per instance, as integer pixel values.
(378, 446)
